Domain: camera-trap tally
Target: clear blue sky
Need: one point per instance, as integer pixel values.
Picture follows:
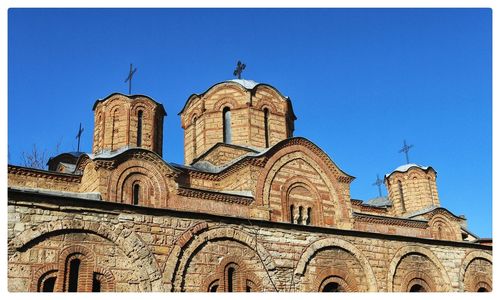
(361, 81)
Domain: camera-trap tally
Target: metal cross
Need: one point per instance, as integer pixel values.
(78, 136)
(379, 182)
(239, 68)
(406, 149)
(129, 79)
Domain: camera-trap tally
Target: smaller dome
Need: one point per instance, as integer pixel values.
(406, 167)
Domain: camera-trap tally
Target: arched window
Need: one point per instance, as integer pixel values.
(74, 270)
(292, 213)
(96, 282)
(308, 220)
(226, 124)
(482, 290)
(400, 186)
(47, 282)
(114, 128)
(231, 276)
(194, 135)
(266, 126)
(139, 128)
(136, 192)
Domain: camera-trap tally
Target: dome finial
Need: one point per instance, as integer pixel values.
(239, 69)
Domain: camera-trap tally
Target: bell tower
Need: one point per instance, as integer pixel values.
(128, 121)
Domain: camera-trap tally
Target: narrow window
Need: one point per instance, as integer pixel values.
(266, 126)
(401, 195)
(139, 128)
(74, 268)
(308, 220)
(440, 232)
(301, 209)
(194, 136)
(231, 272)
(292, 213)
(226, 124)
(137, 189)
(96, 283)
(430, 190)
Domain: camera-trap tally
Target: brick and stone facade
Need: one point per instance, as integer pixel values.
(261, 211)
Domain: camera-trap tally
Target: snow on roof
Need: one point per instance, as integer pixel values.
(406, 167)
(248, 84)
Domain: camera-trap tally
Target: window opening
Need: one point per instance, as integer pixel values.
(74, 268)
(266, 126)
(226, 123)
(48, 284)
(139, 128)
(137, 189)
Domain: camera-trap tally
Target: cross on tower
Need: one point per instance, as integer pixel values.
(129, 79)
(239, 68)
(406, 149)
(379, 182)
(78, 136)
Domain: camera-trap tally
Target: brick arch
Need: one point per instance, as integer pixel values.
(307, 184)
(450, 232)
(108, 284)
(225, 102)
(244, 274)
(127, 240)
(184, 249)
(316, 246)
(42, 272)
(418, 250)
(266, 103)
(417, 277)
(347, 280)
(468, 259)
(148, 173)
(87, 265)
(285, 155)
(228, 86)
(189, 119)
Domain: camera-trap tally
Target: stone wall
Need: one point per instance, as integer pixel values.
(150, 249)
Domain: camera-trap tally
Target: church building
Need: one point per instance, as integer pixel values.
(251, 209)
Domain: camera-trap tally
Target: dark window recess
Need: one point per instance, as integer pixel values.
(96, 284)
(230, 278)
(137, 189)
(292, 208)
(417, 288)
(266, 126)
(214, 288)
(139, 128)
(48, 284)
(332, 287)
(74, 268)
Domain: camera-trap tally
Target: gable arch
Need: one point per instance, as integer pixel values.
(300, 181)
(318, 245)
(184, 249)
(127, 240)
(155, 186)
(333, 178)
(418, 250)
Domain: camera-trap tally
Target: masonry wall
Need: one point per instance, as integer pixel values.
(160, 250)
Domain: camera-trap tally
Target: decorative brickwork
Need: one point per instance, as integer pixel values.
(255, 210)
